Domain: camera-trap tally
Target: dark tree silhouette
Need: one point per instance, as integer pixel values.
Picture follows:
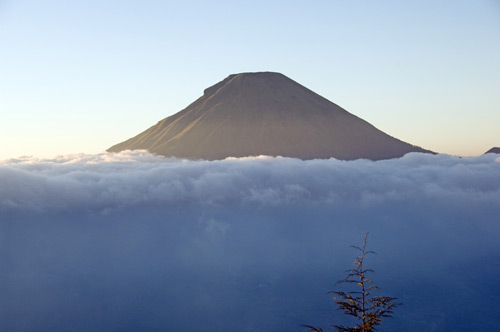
(360, 303)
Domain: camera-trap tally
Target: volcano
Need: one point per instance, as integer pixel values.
(265, 113)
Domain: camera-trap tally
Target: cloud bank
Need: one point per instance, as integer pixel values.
(111, 181)
(135, 242)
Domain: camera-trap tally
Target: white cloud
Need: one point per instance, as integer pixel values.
(107, 181)
(131, 241)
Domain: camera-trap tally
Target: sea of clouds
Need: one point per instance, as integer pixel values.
(135, 242)
(106, 182)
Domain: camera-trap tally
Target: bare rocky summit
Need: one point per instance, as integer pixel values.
(265, 113)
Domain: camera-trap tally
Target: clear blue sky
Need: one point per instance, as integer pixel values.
(80, 76)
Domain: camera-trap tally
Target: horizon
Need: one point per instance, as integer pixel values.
(81, 78)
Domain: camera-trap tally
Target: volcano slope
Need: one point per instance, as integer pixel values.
(265, 113)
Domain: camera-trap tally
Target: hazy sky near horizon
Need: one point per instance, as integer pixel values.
(82, 76)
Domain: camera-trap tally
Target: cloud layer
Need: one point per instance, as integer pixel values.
(111, 181)
(134, 242)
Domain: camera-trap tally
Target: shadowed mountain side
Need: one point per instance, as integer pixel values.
(265, 114)
(493, 150)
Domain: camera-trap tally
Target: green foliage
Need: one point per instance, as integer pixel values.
(368, 309)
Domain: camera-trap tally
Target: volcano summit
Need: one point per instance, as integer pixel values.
(265, 113)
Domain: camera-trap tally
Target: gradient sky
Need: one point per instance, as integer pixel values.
(81, 76)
